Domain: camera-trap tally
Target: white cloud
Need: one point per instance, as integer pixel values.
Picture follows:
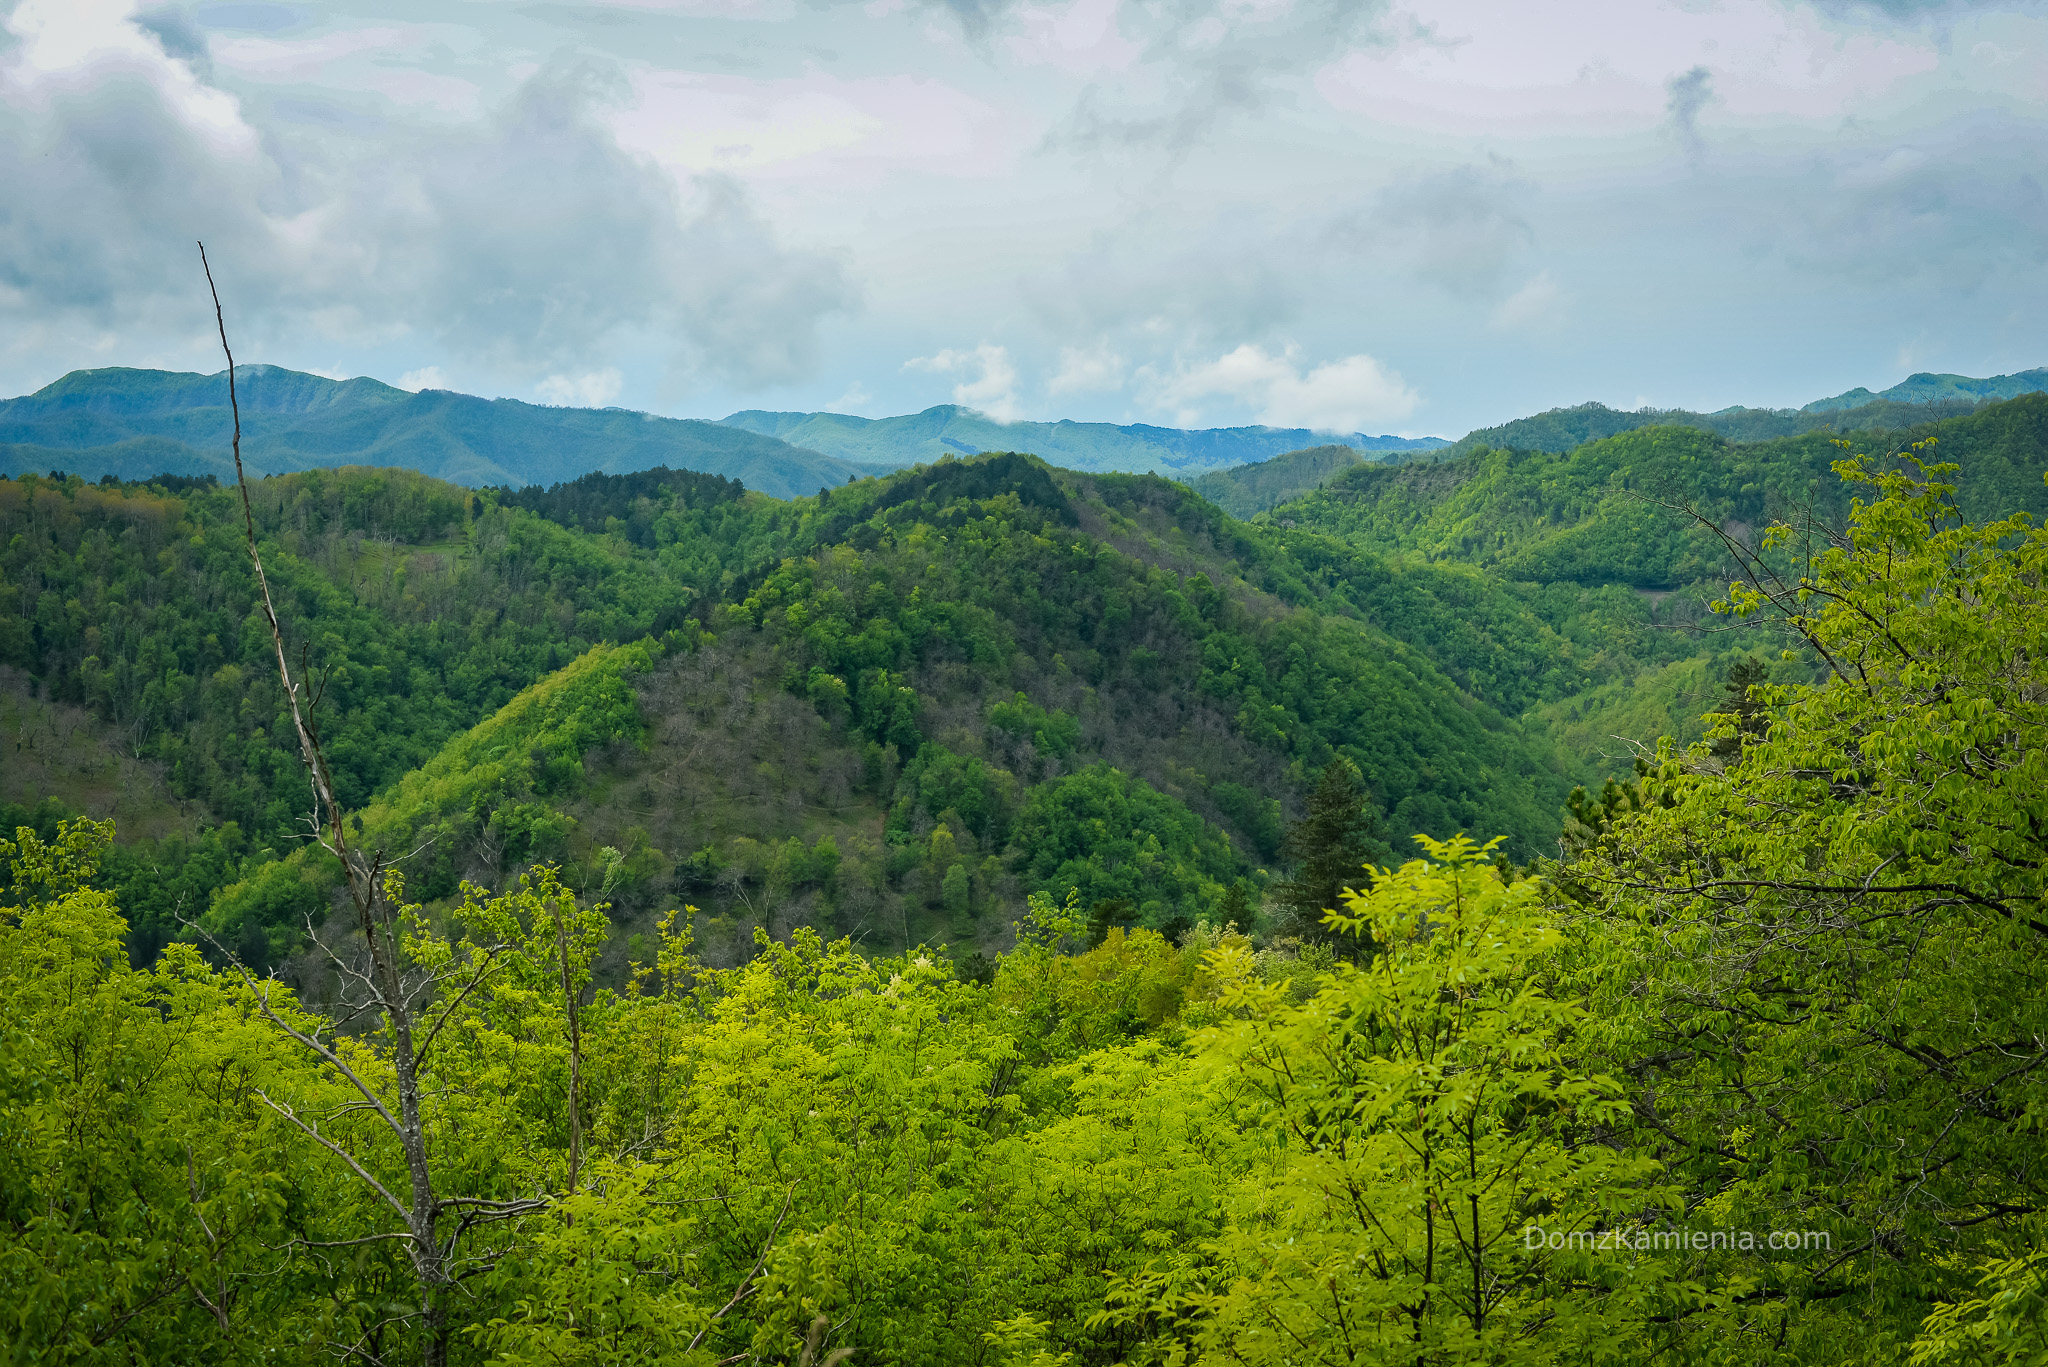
(714, 9)
(426, 377)
(591, 389)
(529, 239)
(993, 389)
(1346, 395)
(1088, 370)
(1535, 304)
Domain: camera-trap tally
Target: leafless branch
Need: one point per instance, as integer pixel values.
(746, 1286)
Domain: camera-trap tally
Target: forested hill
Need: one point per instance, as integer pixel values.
(954, 646)
(950, 430)
(1015, 654)
(1243, 490)
(1585, 514)
(133, 424)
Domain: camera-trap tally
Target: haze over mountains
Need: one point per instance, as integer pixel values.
(950, 429)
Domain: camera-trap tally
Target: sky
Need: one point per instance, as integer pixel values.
(1389, 216)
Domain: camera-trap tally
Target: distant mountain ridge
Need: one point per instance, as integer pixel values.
(133, 424)
(1138, 448)
(1925, 387)
(1918, 399)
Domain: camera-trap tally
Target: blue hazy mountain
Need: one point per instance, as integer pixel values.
(136, 423)
(950, 429)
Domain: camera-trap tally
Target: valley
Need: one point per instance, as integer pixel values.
(990, 793)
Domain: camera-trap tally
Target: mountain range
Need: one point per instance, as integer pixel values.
(135, 424)
(949, 429)
(909, 837)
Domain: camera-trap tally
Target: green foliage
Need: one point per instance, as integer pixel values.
(497, 788)
(142, 607)
(1906, 405)
(1421, 1113)
(1571, 584)
(1818, 950)
(1786, 978)
(632, 505)
(1101, 835)
(1258, 817)
(970, 568)
(1053, 734)
(1248, 489)
(144, 1188)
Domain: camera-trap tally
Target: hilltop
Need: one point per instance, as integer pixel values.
(1925, 388)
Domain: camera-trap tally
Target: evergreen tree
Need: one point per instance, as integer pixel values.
(1750, 721)
(1330, 847)
(1235, 910)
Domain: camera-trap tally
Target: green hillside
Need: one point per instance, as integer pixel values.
(886, 921)
(959, 637)
(920, 652)
(950, 430)
(1243, 490)
(1258, 485)
(1569, 587)
(136, 423)
(1582, 514)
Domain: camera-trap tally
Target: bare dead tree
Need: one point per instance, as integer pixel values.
(413, 1003)
(433, 1224)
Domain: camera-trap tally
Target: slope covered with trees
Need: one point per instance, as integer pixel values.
(929, 683)
(1752, 1072)
(1575, 585)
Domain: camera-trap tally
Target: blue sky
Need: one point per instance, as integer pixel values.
(1417, 216)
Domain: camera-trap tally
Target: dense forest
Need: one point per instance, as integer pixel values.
(1521, 908)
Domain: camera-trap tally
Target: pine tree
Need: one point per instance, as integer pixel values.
(1331, 845)
(1750, 720)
